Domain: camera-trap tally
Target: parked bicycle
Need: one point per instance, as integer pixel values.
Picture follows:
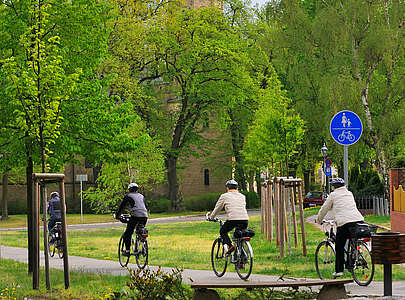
(55, 243)
(357, 257)
(139, 245)
(241, 257)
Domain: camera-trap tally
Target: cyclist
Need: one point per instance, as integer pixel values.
(54, 210)
(139, 216)
(346, 214)
(235, 208)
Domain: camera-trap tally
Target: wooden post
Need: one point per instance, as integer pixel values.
(276, 209)
(281, 213)
(304, 244)
(64, 234)
(44, 213)
(270, 209)
(292, 199)
(35, 237)
(263, 209)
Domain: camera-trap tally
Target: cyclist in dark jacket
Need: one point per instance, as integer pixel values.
(54, 210)
(139, 216)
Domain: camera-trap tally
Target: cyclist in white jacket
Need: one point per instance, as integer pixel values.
(235, 208)
(343, 206)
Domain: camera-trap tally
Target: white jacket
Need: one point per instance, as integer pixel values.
(343, 206)
(235, 206)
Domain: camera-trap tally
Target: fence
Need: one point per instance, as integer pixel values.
(379, 205)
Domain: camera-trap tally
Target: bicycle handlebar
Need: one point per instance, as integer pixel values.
(330, 222)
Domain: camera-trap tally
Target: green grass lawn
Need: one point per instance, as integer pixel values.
(18, 221)
(188, 245)
(15, 283)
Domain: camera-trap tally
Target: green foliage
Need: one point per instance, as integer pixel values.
(365, 182)
(203, 202)
(252, 199)
(158, 205)
(154, 285)
(140, 161)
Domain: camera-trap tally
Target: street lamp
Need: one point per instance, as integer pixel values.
(324, 152)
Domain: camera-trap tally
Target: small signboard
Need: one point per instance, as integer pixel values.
(328, 171)
(328, 162)
(81, 177)
(346, 127)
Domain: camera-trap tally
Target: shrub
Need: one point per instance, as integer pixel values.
(159, 205)
(252, 199)
(202, 202)
(154, 285)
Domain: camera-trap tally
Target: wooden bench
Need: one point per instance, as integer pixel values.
(331, 289)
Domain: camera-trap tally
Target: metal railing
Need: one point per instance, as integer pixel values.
(379, 204)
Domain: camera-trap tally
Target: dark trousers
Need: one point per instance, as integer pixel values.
(228, 226)
(52, 221)
(133, 222)
(342, 234)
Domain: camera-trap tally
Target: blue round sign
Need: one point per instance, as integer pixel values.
(346, 127)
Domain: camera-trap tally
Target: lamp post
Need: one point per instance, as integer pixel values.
(324, 152)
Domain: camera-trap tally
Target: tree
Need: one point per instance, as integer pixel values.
(334, 55)
(276, 132)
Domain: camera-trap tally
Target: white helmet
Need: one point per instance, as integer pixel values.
(337, 180)
(231, 183)
(132, 185)
(54, 194)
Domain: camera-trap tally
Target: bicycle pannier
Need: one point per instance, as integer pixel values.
(244, 233)
(361, 230)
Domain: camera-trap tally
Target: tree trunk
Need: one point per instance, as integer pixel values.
(29, 170)
(4, 215)
(175, 200)
(306, 181)
(382, 165)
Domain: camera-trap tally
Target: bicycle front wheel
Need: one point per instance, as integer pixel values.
(244, 261)
(219, 260)
(141, 253)
(121, 247)
(325, 260)
(51, 246)
(363, 267)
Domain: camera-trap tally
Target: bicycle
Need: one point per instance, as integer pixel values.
(55, 240)
(242, 257)
(357, 257)
(139, 245)
(346, 135)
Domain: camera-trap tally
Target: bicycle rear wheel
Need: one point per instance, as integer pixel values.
(51, 246)
(325, 260)
(363, 267)
(121, 247)
(219, 260)
(141, 253)
(244, 261)
(59, 247)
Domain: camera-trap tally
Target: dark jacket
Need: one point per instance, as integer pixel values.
(54, 208)
(136, 204)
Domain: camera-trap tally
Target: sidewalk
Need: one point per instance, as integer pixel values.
(91, 265)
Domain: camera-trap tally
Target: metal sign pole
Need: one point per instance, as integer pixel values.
(346, 164)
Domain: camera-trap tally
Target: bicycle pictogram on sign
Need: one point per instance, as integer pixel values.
(346, 127)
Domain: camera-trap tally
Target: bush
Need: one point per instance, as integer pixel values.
(159, 205)
(154, 285)
(204, 202)
(252, 199)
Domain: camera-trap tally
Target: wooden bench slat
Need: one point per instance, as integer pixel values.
(264, 284)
